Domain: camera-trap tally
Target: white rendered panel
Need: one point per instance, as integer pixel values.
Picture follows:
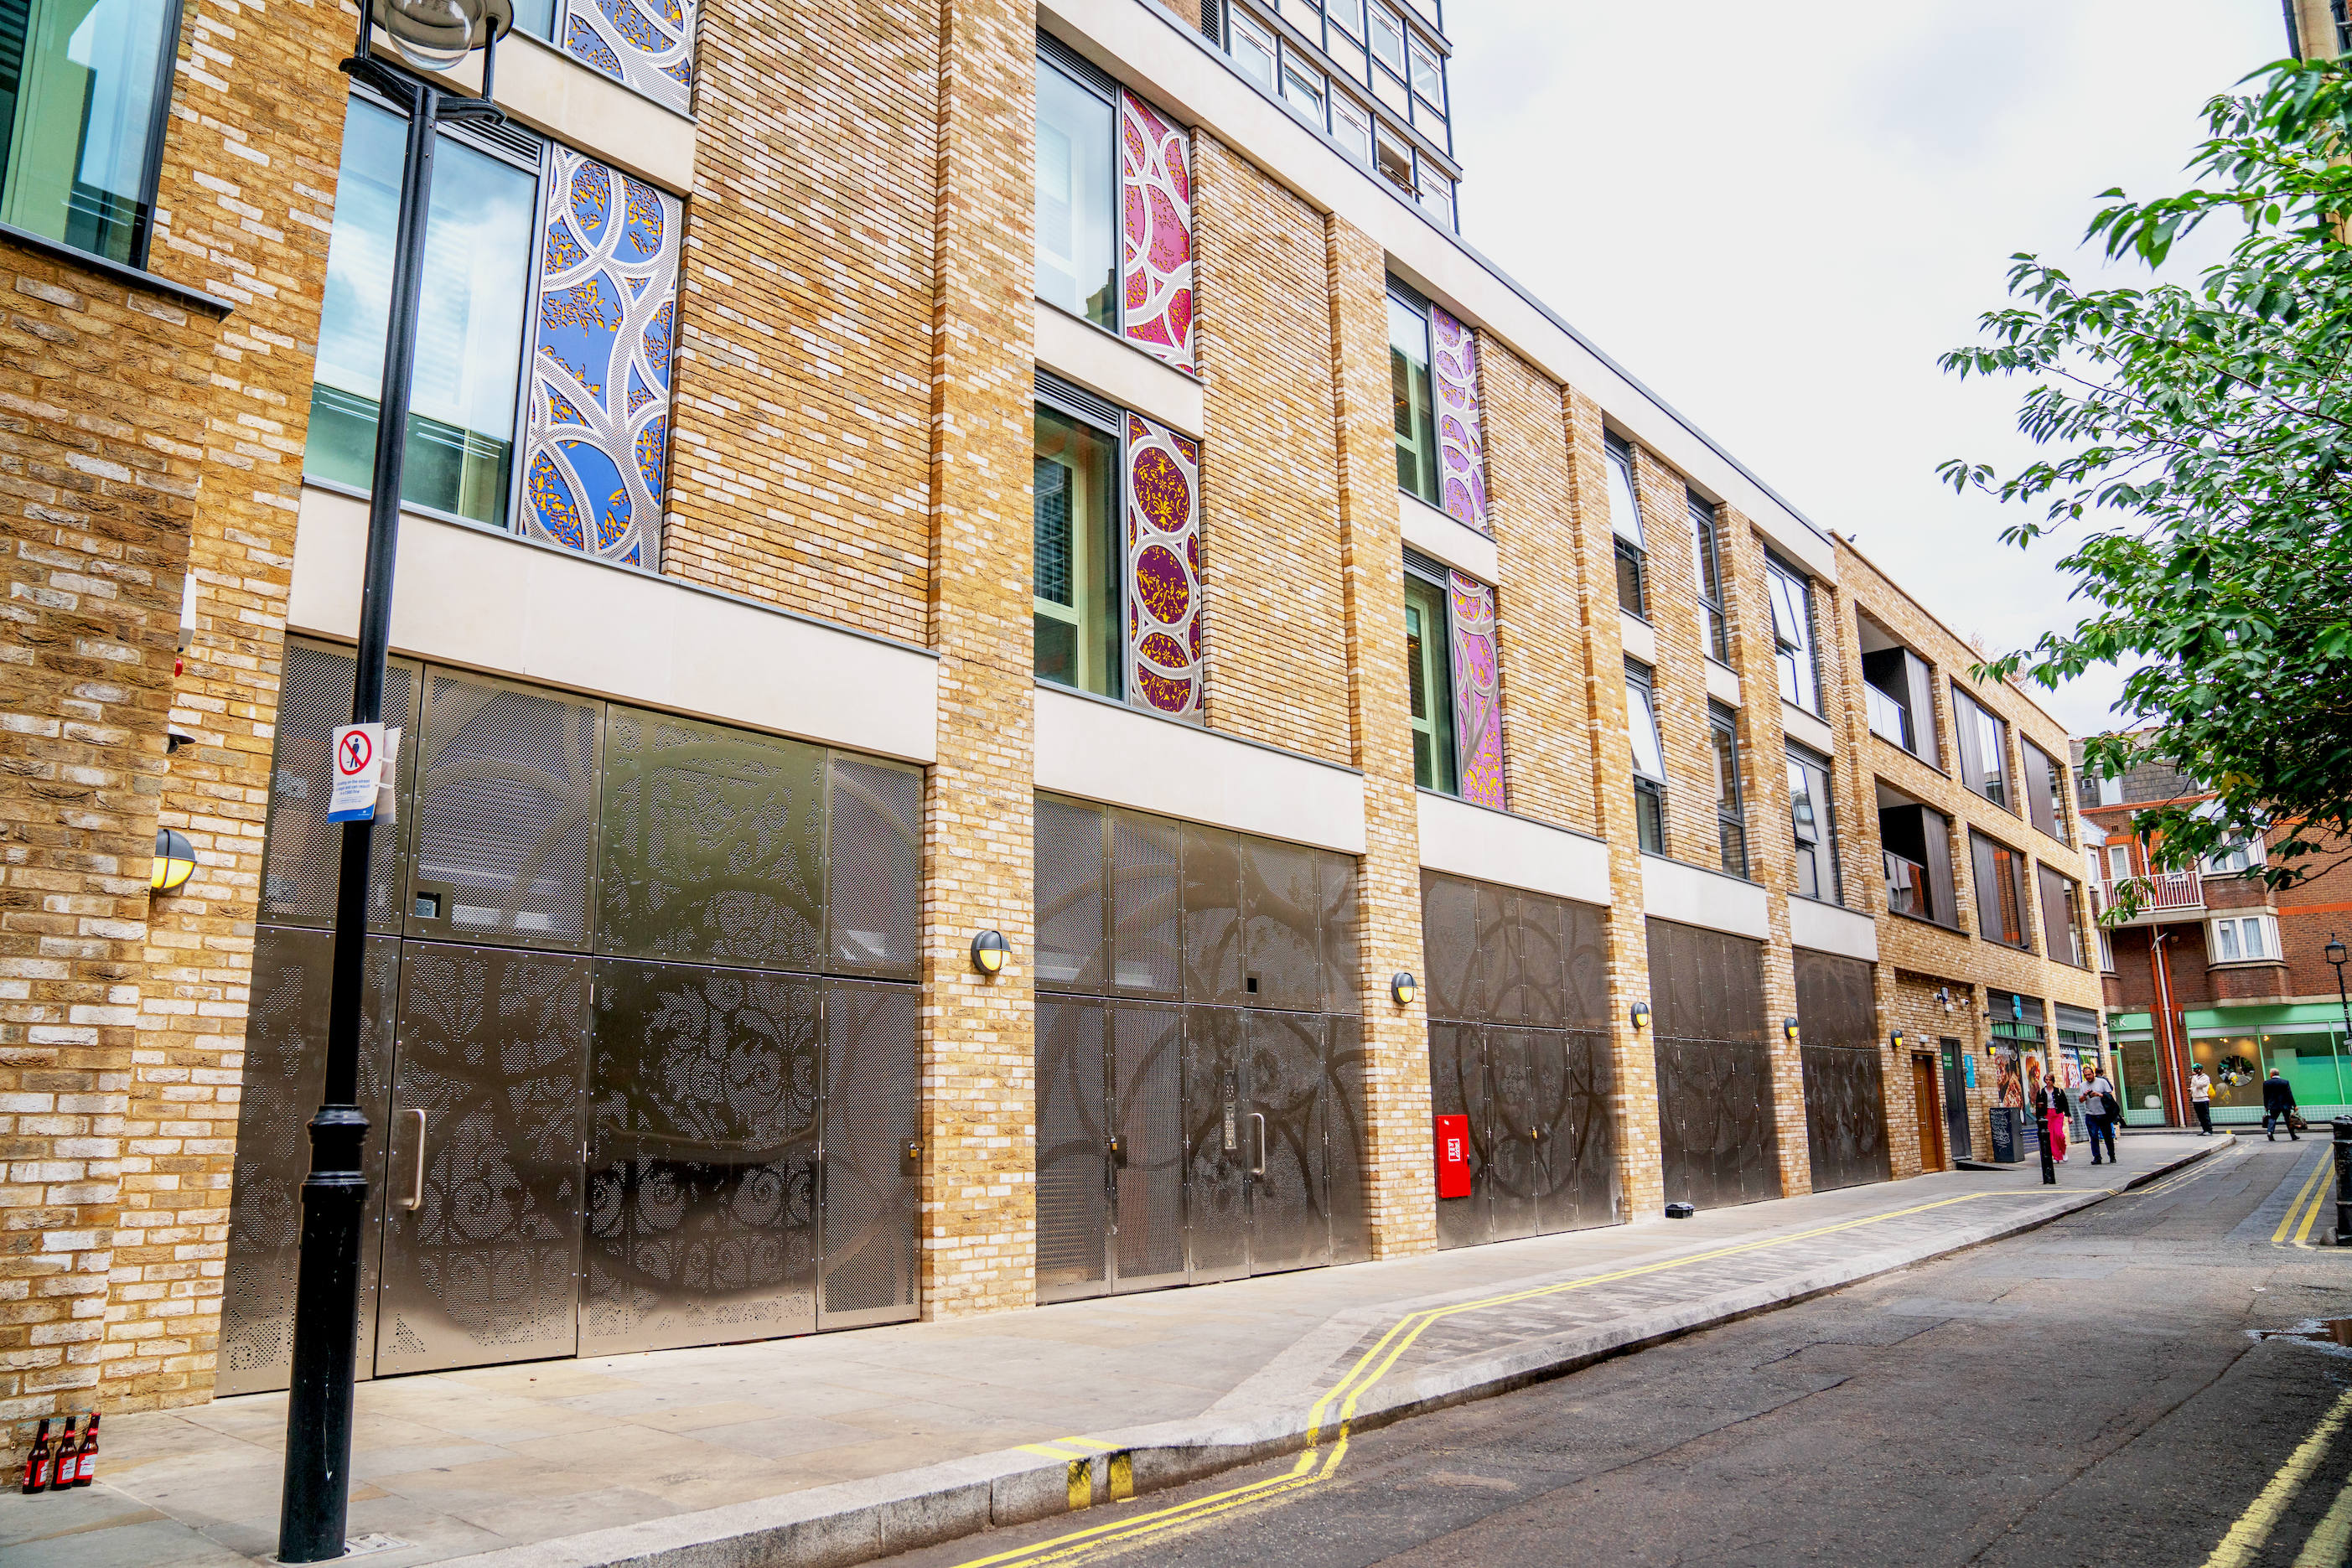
(1459, 546)
(1807, 730)
(550, 91)
(1082, 352)
(1515, 851)
(1640, 638)
(1826, 928)
(1722, 684)
(1692, 896)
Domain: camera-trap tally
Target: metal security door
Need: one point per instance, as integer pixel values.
(1846, 1099)
(1718, 1137)
(1578, 1155)
(1514, 1168)
(483, 1219)
(1289, 1223)
(1956, 1102)
(1148, 1168)
(1458, 1087)
(1219, 1145)
(873, 1068)
(1074, 1175)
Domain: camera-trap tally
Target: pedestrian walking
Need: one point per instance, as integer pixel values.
(2278, 1106)
(2200, 1098)
(2102, 1109)
(2054, 1119)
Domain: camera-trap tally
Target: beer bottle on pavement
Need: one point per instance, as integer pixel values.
(86, 1464)
(61, 1468)
(37, 1463)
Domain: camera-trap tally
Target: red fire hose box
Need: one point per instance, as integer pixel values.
(1454, 1157)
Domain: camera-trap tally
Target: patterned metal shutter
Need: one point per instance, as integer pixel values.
(302, 859)
(873, 856)
(873, 1063)
(1477, 707)
(1461, 440)
(647, 47)
(1156, 260)
(1164, 615)
(597, 437)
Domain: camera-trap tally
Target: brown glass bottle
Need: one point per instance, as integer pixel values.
(86, 1461)
(61, 1467)
(37, 1463)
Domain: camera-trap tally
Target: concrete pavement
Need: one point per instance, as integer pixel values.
(836, 1448)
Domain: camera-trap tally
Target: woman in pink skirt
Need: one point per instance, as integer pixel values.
(2053, 1119)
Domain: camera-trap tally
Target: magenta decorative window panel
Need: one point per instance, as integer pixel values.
(1461, 444)
(1155, 264)
(596, 438)
(647, 44)
(1477, 707)
(1163, 570)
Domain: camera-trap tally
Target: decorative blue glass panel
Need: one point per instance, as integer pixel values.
(647, 44)
(596, 442)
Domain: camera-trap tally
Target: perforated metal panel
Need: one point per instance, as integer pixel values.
(712, 844)
(1072, 909)
(1579, 1153)
(1343, 975)
(1584, 993)
(302, 859)
(1147, 900)
(1718, 1135)
(285, 1076)
(1539, 935)
(1074, 1197)
(492, 1047)
(874, 858)
(1845, 1105)
(1282, 917)
(1457, 1087)
(506, 814)
(1449, 935)
(703, 1092)
(1515, 1166)
(1148, 1056)
(872, 1119)
(1342, 1115)
(1213, 959)
(1217, 1151)
(1497, 969)
(1283, 1086)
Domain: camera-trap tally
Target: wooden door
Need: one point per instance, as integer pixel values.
(1931, 1121)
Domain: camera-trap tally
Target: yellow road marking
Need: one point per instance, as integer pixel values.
(2330, 1546)
(2244, 1541)
(1375, 1363)
(2278, 1237)
(2318, 1200)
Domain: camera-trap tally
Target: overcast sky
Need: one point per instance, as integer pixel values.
(1777, 216)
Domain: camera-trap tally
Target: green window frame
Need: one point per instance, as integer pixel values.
(1416, 416)
(1429, 680)
(1078, 560)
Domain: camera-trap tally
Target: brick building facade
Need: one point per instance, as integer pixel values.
(776, 611)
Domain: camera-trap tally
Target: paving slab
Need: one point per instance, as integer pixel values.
(835, 1448)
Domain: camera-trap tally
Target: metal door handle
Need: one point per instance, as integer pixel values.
(415, 1198)
(1259, 1169)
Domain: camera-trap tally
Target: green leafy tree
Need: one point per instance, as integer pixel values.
(2201, 437)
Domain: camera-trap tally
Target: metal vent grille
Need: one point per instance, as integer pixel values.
(1147, 1049)
(875, 856)
(492, 1048)
(1078, 65)
(1146, 899)
(1072, 1210)
(1212, 926)
(1343, 1140)
(872, 1118)
(285, 1077)
(1070, 903)
(1282, 947)
(702, 1225)
(1212, 21)
(304, 854)
(506, 815)
(1426, 566)
(712, 844)
(1407, 293)
(1077, 400)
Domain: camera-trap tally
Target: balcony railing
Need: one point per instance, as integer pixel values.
(1888, 717)
(1906, 887)
(2165, 890)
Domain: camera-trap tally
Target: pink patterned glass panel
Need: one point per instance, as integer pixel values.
(1156, 260)
(1163, 570)
(1478, 708)
(1461, 444)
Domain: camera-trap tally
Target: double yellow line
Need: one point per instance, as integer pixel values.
(1314, 1464)
(2303, 1211)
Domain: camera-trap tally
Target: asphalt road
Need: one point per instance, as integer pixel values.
(2098, 1391)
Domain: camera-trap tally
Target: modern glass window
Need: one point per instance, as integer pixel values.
(1348, 15)
(1387, 37)
(465, 394)
(84, 87)
(2062, 908)
(2106, 950)
(1792, 635)
(2244, 939)
(1077, 556)
(2045, 787)
(1649, 758)
(2234, 858)
(1351, 128)
(1730, 818)
(1251, 46)
(1429, 680)
(1078, 196)
(1428, 76)
(1916, 841)
(1303, 88)
(1706, 549)
(2001, 891)
(1984, 749)
(1436, 194)
(1625, 524)
(1393, 159)
(1898, 691)
(1815, 822)
(1416, 425)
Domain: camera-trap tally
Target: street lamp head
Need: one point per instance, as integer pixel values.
(436, 34)
(2336, 954)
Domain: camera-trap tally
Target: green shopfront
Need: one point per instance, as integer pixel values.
(2239, 1047)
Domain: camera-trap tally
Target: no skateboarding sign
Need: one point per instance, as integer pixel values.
(359, 761)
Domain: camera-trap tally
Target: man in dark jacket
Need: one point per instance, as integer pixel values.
(2278, 1103)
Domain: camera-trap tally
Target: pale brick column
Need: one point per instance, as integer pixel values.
(1641, 1178)
(1400, 1175)
(978, 1207)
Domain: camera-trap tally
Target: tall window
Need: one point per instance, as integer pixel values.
(1251, 46)
(1625, 523)
(1649, 759)
(83, 87)
(2001, 891)
(1816, 826)
(1416, 425)
(1078, 196)
(1429, 677)
(2245, 938)
(1984, 749)
(478, 252)
(2045, 787)
(1792, 635)
(1730, 820)
(1899, 691)
(1077, 554)
(1916, 842)
(1706, 549)
(2061, 936)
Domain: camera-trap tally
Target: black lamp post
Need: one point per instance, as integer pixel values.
(313, 1510)
(2338, 956)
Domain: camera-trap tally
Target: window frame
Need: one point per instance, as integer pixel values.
(1707, 559)
(2066, 917)
(1114, 532)
(2050, 796)
(1730, 798)
(1970, 741)
(1791, 595)
(1238, 19)
(2265, 925)
(1630, 538)
(1437, 681)
(1117, 326)
(1649, 789)
(150, 176)
(1430, 460)
(2013, 885)
(1806, 762)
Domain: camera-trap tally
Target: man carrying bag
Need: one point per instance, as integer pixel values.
(2278, 1106)
(2102, 1109)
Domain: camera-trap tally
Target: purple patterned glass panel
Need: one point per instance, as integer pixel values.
(1477, 707)
(1163, 570)
(1156, 261)
(1461, 444)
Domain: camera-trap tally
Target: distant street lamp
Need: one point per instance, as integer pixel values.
(2336, 956)
(314, 1507)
